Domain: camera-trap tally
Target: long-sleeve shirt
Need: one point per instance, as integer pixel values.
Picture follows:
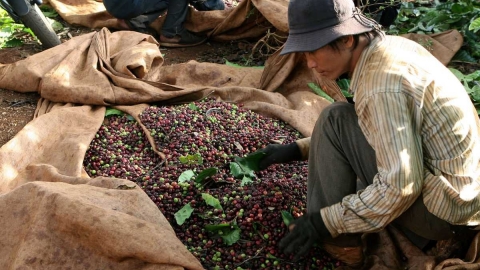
(425, 132)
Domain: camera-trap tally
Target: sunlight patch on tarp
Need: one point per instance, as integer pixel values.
(308, 103)
(7, 173)
(32, 135)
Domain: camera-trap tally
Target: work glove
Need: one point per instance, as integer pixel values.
(279, 153)
(304, 232)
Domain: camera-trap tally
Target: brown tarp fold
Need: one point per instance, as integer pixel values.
(55, 216)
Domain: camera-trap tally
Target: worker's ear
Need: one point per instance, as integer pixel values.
(347, 41)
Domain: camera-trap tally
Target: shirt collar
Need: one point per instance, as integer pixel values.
(357, 73)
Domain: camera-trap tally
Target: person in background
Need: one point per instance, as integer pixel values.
(385, 12)
(405, 153)
(137, 15)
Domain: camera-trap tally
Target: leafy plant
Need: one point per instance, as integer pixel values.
(435, 17)
(9, 29)
(463, 15)
(471, 83)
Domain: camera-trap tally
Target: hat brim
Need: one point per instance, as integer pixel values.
(311, 41)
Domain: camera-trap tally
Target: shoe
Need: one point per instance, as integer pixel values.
(207, 5)
(350, 256)
(183, 39)
(135, 25)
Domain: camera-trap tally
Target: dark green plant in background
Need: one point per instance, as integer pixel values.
(436, 17)
(462, 15)
(13, 34)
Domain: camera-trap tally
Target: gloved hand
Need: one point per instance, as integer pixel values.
(307, 230)
(279, 153)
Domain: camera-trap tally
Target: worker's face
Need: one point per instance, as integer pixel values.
(330, 62)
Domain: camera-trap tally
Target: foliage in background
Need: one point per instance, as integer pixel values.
(11, 32)
(8, 29)
(463, 15)
(471, 84)
(437, 17)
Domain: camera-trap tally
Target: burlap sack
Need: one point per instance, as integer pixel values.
(441, 45)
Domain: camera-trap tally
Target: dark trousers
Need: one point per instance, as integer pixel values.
(339, 155)
(141, 13)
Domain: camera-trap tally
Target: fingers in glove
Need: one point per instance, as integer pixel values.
(295, 232)
(292, 244)
(304, 249)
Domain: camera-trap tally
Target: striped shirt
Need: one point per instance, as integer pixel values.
(426, 134)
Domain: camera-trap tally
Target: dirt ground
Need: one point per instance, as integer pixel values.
(17, 109)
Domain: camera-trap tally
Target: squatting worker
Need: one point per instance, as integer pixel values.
(412, 137)
(137, 15)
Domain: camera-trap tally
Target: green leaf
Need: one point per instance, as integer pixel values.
(205, 173)
(186, 176)
(251, 161)
(183, 159)
(474, 76)
(270, 256)
(57, 26)
(232, 237)
(240, 170)
(319, 91)
(112, 111)
(28, 30)
(217, 227)
(48, 11)
(212, 201)
(458, 8)
(191, 159)
(464, 56)
(475, 93)
(193, 107)
(236, 169)
(287, 217)
(229, 233)
(457, 73)
(246, 166)
(13, 43)
(183, 214)
(475, 25)
(344, 84)
(246, 180)
(197, 158)
(230, 64)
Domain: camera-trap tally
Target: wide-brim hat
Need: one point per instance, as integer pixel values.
(315, 23)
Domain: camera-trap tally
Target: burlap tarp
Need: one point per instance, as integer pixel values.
(55, 217)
